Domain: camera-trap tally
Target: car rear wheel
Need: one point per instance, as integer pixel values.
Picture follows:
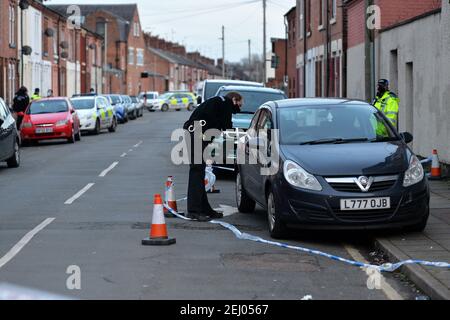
(277, 228)
(165, 108)
(14, 161)
(244, 203)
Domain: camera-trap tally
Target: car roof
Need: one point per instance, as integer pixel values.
(310, 102)
(253, 89)
(86, 98)
(50, 99)
(235, 82)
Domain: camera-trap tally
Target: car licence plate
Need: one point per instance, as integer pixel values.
(44, 130)
(365, 204)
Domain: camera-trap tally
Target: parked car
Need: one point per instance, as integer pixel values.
(175, 101)
(139, 106)
(51, 118)
(152, 96)
(95, 114)
(342, 165)
(253, 98)
(130, 106)
(119, 109)
(9, 138)
(210, 87)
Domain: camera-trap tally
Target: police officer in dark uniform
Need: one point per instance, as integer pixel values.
(215, 113)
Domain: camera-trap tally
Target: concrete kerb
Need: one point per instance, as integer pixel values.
(417, 274)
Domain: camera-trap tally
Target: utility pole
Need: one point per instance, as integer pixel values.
(223, 51)
(264, 42)
(249, 58)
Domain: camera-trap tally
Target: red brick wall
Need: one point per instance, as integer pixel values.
(395, 11)
(356, 23)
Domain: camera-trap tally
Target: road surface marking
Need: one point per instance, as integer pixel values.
(111, 167)
(227, 210)
(131, 150)
(123, 155)
(79, 194)
(137, 145)
(23, 242)
(390, 292)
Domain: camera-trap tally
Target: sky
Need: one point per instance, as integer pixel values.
(198, 23)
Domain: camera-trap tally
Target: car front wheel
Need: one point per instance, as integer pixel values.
(277, 228)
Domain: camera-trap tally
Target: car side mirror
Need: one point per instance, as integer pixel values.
(407, 137)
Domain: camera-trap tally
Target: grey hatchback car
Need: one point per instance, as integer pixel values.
(341, 165)
(9, 138)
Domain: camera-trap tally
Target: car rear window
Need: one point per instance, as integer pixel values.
(83, 104)
(50, 106)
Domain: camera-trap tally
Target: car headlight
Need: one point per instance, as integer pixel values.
(299, 177)
(61, 123)
(414, 174)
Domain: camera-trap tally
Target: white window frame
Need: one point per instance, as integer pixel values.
(140, 58)
(12, 25)
(301, 5)
(136, 29)
(323, 15)
(131, 56)
(333, 11)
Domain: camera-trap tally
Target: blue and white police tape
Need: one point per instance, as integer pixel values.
(388, 267)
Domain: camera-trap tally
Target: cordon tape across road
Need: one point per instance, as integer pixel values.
(388, 267)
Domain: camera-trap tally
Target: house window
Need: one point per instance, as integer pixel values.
(136, 29)
(11, 81)
(333, 10)
(301, 18)
(131, 56)
(308, 17)
(140, 57)
(12, 25)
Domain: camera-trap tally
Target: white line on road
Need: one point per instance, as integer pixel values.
(390, 292)
(79, 194)
(111, 167)
(23, 242)
(137, 145)
(123, 155)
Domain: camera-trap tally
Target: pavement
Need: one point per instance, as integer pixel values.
(431, 245)
(110, 181)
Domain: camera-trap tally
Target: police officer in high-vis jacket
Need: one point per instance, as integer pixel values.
(387, 102)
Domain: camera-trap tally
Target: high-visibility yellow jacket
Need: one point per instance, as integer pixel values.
(388, 104)
(35, 97)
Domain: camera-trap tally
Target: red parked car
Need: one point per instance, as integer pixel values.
(50, 118)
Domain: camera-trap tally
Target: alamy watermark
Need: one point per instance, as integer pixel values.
(73, 282)
(231, 147)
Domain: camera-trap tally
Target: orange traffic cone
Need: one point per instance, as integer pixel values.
(158, 231)
(436, 173)
(170, 199)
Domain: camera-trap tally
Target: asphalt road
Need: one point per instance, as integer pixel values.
(101, 231)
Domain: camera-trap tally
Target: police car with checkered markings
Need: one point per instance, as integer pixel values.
(175, 101)
(95, 114)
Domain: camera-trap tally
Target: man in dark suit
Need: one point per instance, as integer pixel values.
(215, 113)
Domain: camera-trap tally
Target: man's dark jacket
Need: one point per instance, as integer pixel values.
(21, 103)
(217, 112)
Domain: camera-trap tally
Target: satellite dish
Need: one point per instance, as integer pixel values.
(64, 55)
(27, 50)
(49, 32)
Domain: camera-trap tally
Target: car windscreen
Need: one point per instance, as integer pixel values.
(254, 99)
(165, 96)
(115, 100)
(83, 104)
(333, 124)
(134, 99)
(50, 106)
